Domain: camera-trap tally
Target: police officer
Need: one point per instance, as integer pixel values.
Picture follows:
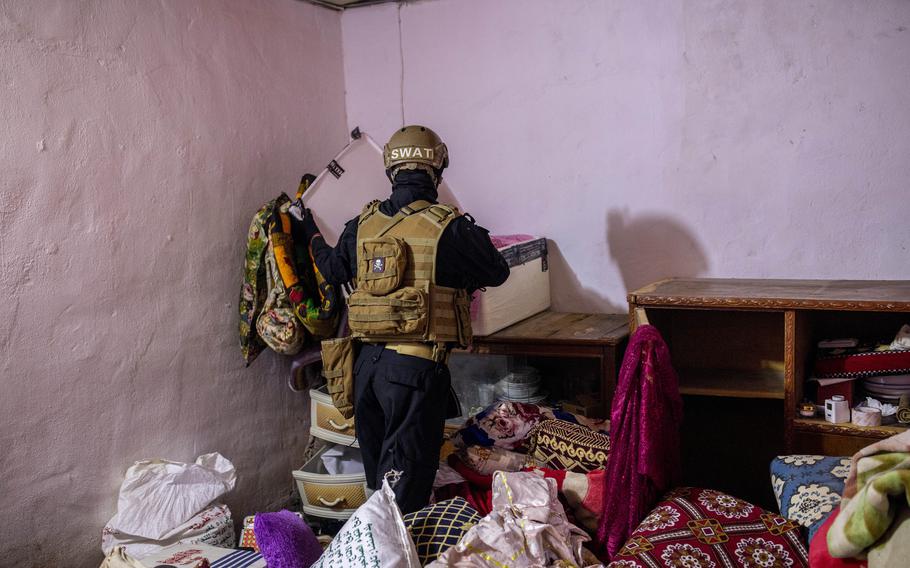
(414, 264)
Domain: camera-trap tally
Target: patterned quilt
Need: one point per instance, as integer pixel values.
(882, 487)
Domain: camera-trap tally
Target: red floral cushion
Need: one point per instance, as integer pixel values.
(702, 528)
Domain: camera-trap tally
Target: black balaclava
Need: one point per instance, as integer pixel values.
(410, 186)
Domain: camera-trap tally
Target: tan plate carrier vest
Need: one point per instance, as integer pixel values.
(397, 299)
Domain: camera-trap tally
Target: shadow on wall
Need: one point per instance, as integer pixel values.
(652, 247)
(568, 292)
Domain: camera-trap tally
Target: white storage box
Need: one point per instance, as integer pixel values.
(326, 495)
(326, 423)
(524, 294)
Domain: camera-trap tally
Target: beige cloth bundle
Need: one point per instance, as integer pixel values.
(903, 409)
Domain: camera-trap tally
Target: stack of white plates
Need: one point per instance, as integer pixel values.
(887, 388)
(521, 385)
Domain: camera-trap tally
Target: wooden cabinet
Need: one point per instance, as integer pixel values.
(598, 337)
(744, 349)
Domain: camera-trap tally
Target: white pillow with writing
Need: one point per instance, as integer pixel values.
(374, 537)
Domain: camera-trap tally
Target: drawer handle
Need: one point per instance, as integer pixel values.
(331, 503)
(342, 426)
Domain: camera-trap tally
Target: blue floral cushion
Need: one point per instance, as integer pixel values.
(808, 488)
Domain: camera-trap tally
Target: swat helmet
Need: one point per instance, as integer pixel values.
(415, 147)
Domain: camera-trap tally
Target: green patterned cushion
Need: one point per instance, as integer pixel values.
(437, 527)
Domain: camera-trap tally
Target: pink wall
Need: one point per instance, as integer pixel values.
(650, 139)
(139, 138)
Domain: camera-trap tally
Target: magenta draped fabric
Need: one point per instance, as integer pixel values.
(645, 438)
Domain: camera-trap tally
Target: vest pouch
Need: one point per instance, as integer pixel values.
(338, 370)
(402, 314)
(463, 317)
(382, 262)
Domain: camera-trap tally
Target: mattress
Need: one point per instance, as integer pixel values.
(192, 554)
(524, 294)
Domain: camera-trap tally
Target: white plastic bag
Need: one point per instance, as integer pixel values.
(342, 460)
(159, 496)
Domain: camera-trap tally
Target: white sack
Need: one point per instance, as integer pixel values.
(120, 558)
(213, 526)
(375, 537)
(159, 495)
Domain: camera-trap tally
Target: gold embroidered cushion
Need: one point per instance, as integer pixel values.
(557, 444)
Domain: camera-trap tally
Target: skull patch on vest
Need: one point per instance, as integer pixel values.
(378, 265)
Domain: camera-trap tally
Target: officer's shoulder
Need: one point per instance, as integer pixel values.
(465, 225)
(446, 210)
(368, 210)
(371, 207)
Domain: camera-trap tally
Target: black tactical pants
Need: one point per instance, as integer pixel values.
(400, 411)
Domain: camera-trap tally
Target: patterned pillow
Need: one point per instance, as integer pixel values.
(437, 527)
(808, 488)
(702, 528)
(557, 444)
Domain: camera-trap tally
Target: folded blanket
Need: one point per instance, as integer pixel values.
(903, 409)
(882, 487)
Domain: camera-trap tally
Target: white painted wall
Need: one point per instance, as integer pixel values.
(138, 139)
(648, 139)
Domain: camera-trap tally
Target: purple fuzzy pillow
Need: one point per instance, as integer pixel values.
(285, 541)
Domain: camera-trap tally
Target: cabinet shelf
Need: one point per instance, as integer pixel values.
(771, 327)
(766, 383)
(820, 425)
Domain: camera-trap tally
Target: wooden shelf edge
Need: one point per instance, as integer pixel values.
(728, 393)
(821, 426)
(660, 301)
(732, 383)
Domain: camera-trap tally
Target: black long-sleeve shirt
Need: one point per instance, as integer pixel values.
(466, 258)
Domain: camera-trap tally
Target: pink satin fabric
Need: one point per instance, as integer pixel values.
(645, 436)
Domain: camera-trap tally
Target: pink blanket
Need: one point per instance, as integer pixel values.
(503, 241)
(645, 421)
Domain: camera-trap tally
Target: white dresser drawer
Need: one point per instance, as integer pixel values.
(326, 495)
(327, 423)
